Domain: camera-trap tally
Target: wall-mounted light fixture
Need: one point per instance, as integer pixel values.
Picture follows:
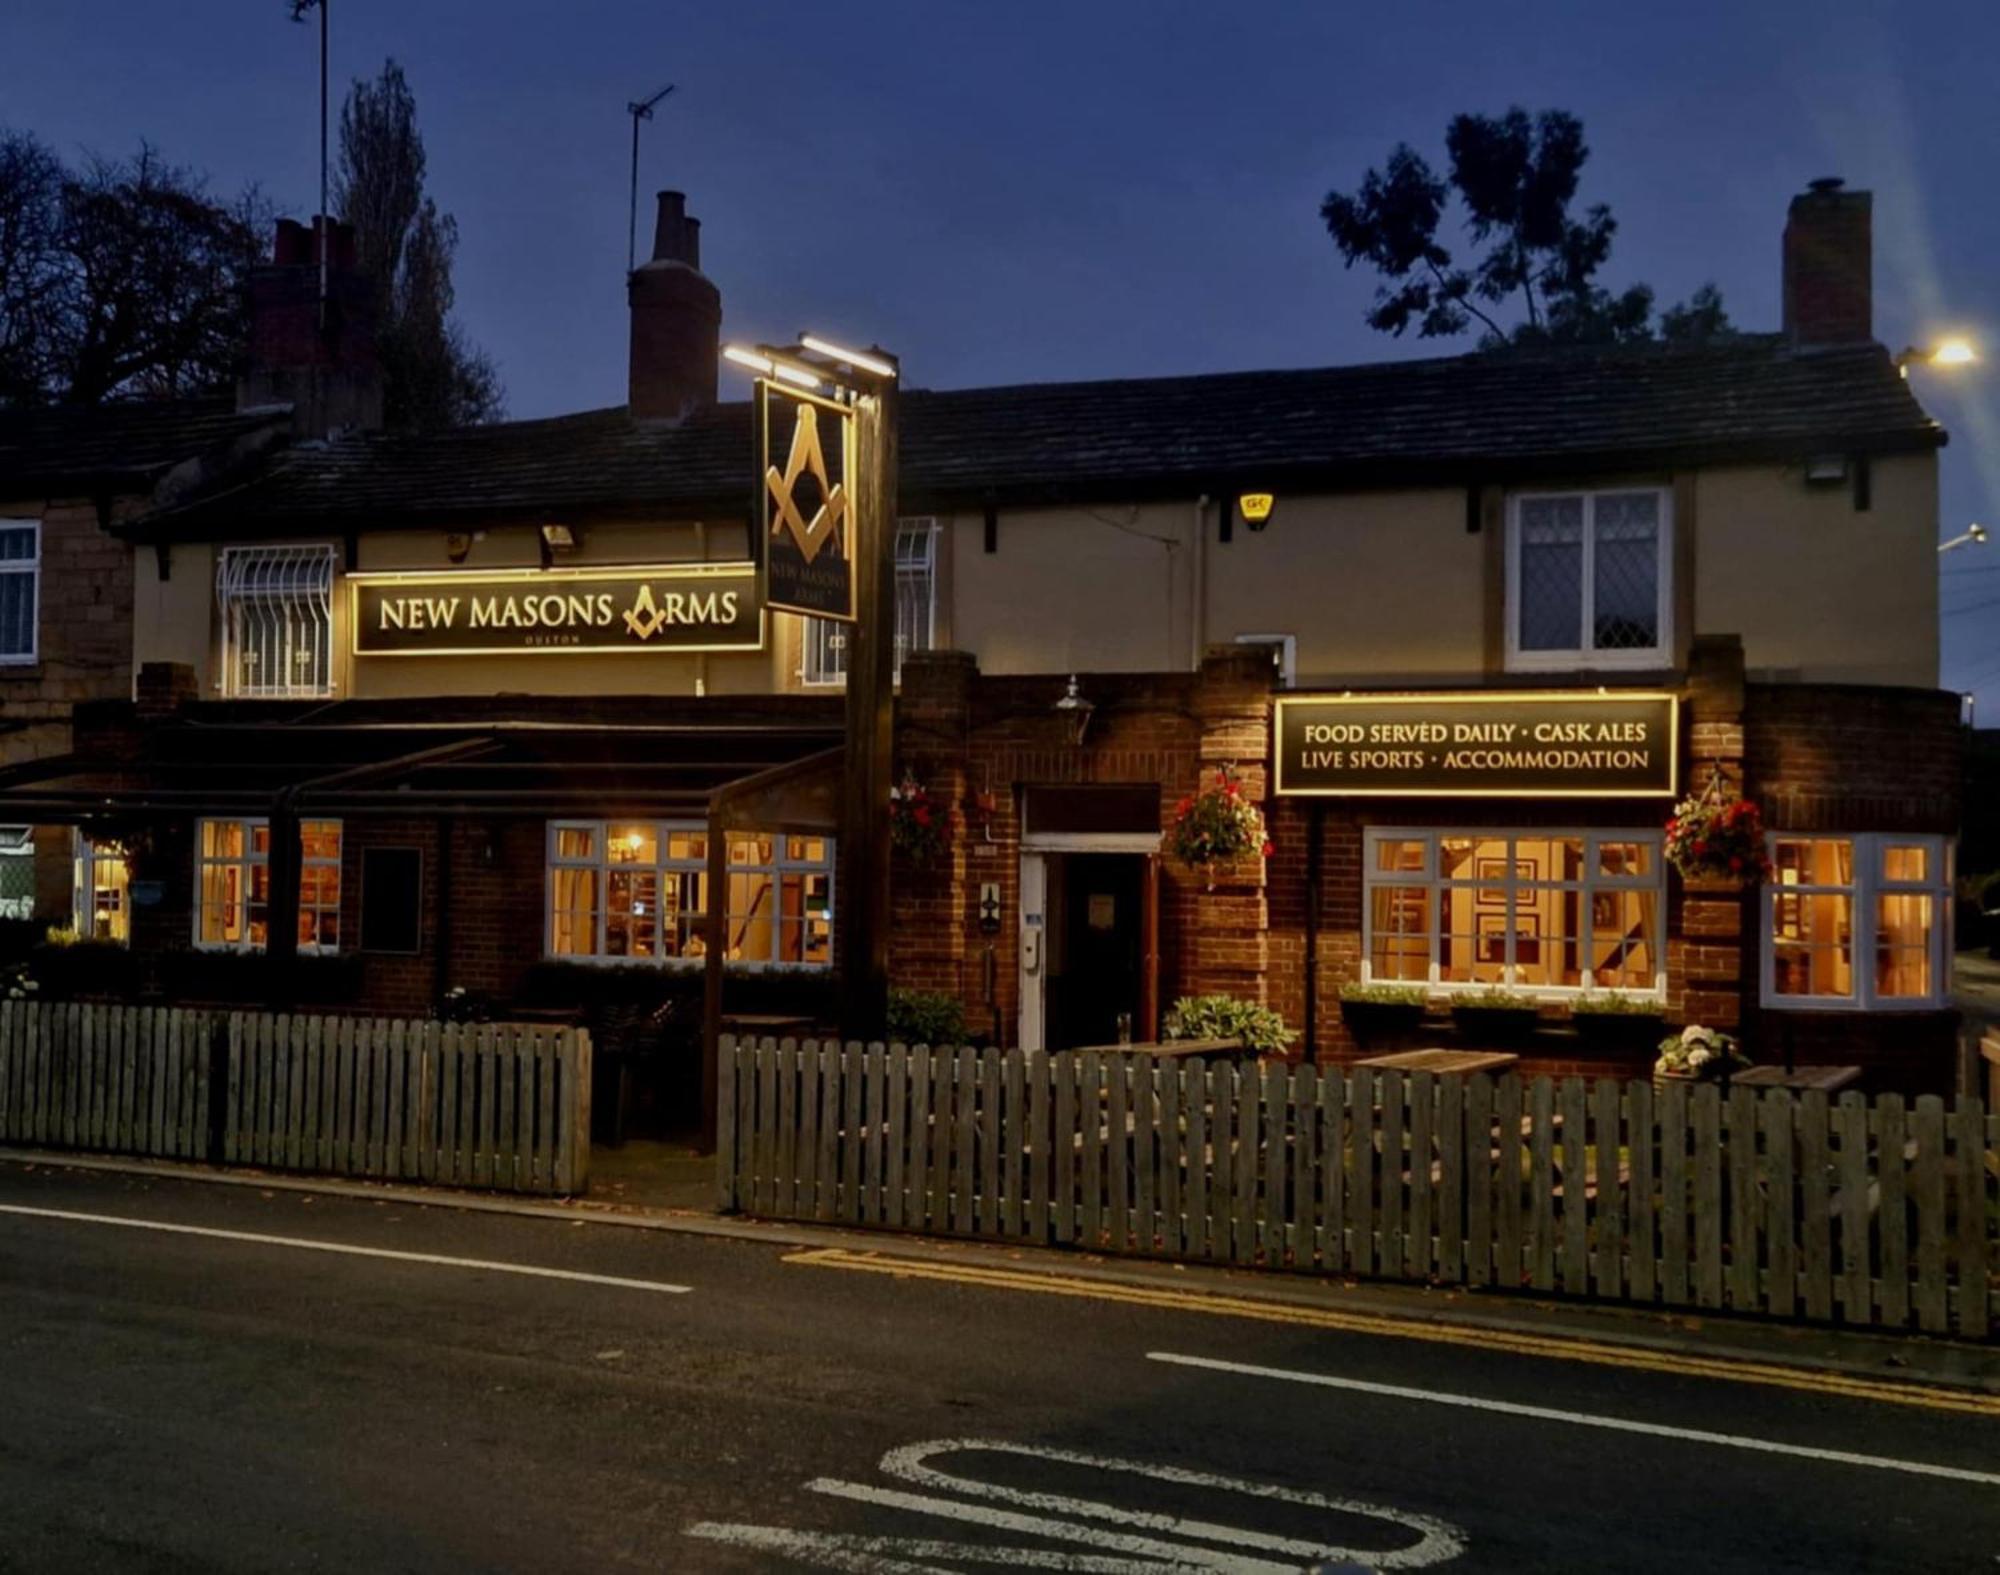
(1073, 705)
(558, 541)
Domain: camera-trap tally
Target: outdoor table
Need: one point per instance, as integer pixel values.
(1827, 1079)
(1169, 1049)
(774, 1025)
(1444, 1062)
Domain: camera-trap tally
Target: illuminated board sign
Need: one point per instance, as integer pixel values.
(659, 607)
(806, 465)
(1489, 745)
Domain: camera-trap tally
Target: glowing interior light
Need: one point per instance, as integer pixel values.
(858, 359)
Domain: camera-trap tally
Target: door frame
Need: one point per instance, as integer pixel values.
(1032, 1031)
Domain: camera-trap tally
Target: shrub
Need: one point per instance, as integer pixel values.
(1385, 994)
(71, 967)
(1226, 1017)
(926, 1017)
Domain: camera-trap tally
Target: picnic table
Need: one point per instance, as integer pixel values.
(1827, 1079)
(760, 1025)
(1446, 1063)
(1169, 1049)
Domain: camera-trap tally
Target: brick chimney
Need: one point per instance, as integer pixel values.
(328, 371)
(1829, 289)
(676, 321)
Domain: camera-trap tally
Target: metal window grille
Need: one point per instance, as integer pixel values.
(20, 587)
(277, 621)
(17, 872)
(916, 608)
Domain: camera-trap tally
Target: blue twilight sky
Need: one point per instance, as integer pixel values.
(1092, 188)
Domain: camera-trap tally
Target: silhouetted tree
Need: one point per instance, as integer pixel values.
(1515, 177)
(432, 376)
(121, 279)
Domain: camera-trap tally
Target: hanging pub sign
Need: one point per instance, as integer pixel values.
(655, 607)
(806, 465)
(1483, 744)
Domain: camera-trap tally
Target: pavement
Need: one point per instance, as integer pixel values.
(261, 1377)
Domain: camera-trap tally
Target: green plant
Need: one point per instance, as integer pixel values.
(1226, 1017)
(1699, 1052)
(1384, 994)
(1494, 999)
(926, 1017)
(60, 935)
(1610, 1003)
(918, 821)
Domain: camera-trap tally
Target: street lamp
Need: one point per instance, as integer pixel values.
(1971, 536)
(1948, 352)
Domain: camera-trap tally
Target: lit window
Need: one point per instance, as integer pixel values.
(233, 885)
(1587, 579)
(1858, 922)
(637, 891)
(276, 605)
(20, 589)
(916, 608)
(1545, 912)
(103, 891)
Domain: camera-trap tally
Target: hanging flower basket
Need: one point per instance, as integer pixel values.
(918, 821)
(1718, 838)
(1216, 826)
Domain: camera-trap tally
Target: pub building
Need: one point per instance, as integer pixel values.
(1465, 629)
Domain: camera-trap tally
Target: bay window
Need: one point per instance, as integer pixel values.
(233, 885)
(1588, 579)
(1858, 922)
(1537, 911)
(638, 891)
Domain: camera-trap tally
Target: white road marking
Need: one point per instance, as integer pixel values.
(1436, 1541)
(1585, 1419)
(1174, 1548)
(306, 1244)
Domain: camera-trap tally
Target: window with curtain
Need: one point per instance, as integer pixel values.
(233, 885)
(20, 589)
(276, 607)
(916, 608)
(637, 891)
(1544, 912)
(1588, 579)
(1858, 922)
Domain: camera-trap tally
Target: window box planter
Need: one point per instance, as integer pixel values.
(1494, 1022)
(1382, 1022)
(1620, 1030)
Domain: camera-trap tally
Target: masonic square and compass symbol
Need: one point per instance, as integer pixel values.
(806, 460)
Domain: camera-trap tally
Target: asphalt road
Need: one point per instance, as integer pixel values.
(172, 1400)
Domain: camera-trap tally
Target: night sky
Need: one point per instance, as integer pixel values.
(1025, 192)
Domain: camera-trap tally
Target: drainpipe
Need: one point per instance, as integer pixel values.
(1198, 614)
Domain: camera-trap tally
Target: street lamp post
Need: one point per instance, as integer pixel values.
(1971, 536)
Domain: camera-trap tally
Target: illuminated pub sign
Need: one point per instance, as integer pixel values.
(1489, 745)
(806, 491)
(659, 607)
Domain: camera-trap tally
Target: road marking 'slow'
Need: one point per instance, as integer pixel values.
(1615, 1424)
(256, 1238)
(1557, 1347)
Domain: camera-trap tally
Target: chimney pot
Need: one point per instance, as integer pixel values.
(676, 321)
(323, 364)
(1828, 266)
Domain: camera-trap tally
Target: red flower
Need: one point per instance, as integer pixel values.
(1700, 846)
(1229, 788)
(1736, 866)
(1269, 849)
(921, 814)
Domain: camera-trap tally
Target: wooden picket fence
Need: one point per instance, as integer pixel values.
(124, 1080)
(504, 1106)
(1875, 1213)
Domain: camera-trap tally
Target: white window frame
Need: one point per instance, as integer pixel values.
(269, 583)
(90, 853)
(1587, 655)
(250, 859)
(1867, 885)
(31, 567)
(17, 843)
(780, 865)
(1435, 886)
(915, 618)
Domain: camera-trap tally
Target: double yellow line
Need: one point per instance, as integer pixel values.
(1555, 1347)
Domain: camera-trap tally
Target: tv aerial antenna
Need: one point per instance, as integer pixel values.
(638, 111)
